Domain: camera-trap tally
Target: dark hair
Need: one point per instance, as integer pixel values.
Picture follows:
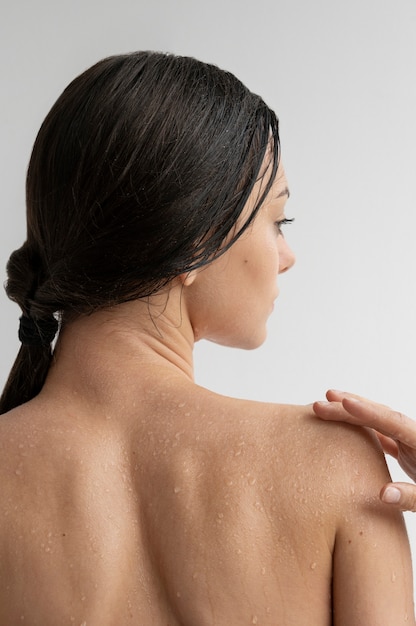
(138, 174)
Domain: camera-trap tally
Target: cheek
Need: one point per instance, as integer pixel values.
(272, 254)
(263, 262)
(231, 298)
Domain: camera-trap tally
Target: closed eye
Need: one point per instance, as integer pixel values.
(280, 223)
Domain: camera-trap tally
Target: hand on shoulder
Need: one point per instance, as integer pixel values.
(395, 431)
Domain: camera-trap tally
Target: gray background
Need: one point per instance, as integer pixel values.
(341, 77)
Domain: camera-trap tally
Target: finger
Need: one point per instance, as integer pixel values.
(389, 446)
(337, 412)
(407, 459)
(332, 411)
(383, 419)
(400, 495)
(334, 395)
(366, 413)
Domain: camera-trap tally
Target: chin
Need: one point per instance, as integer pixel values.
(254, 344)
(246, 342)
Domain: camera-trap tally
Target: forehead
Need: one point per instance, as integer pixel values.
(278, 192)
(280, 180)
(279, 187)
(266, 171)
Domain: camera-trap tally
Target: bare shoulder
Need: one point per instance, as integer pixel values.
(33, 434)
(276, 434)
(33, 462)
(49, 458)
(268, 487)
(290, 456)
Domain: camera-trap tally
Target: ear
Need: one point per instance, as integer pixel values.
(188, 278)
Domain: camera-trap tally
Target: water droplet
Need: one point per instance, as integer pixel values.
(252, 481)
(177, 489)
(313, 565)
(393, 577)
(255, 619)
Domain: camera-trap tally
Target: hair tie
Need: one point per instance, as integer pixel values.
(37, 332)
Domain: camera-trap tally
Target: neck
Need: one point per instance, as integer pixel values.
(121, 348)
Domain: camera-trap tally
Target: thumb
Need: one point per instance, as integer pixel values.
(402, 495)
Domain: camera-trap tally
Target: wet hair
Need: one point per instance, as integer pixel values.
(138, 174)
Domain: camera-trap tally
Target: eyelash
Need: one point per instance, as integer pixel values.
(281, 223)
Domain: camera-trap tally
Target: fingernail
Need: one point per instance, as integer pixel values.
(391, 495)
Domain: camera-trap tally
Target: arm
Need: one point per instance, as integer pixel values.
(372, 575)
(395, 431)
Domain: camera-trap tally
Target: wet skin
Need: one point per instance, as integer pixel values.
(131, 495)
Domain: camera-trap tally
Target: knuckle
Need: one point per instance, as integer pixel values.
(398, 423)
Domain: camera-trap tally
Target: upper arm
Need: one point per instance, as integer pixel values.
(372, 572)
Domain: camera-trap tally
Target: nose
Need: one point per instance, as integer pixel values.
(286, 256)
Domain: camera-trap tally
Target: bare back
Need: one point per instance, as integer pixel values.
(192, 510)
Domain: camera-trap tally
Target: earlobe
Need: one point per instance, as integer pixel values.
(188, 278)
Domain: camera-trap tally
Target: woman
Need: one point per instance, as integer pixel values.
(155, 201)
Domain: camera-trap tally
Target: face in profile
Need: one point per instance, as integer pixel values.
(231, 299)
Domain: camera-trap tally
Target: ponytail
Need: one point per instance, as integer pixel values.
(27, 376)
(37, 330)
